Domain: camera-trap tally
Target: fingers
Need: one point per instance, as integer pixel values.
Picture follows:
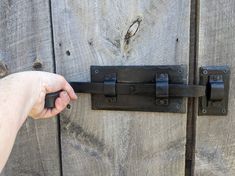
(61, 102)
(59, 83)
(67, 87)
(53, 83)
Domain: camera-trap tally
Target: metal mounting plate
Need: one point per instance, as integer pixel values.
(217, 74)
(138, 74)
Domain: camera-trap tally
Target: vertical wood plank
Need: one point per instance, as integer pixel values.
(215, 139)
(25, 37)
(104, 32)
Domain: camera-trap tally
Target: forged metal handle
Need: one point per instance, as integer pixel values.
(175, 90)
(50, 99)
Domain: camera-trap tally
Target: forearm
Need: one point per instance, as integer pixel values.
(7, 137)
(23, 94)
(13, 116)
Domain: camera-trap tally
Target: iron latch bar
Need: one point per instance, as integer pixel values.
(175, 90)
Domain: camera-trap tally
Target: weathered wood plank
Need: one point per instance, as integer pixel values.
(215, 139)
(25, 36)
(97, 33)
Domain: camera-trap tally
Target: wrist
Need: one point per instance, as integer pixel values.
(18, 91)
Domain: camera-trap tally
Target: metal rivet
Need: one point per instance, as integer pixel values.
(205, 72)
(204, 111)
(225, 71)
(37, 64)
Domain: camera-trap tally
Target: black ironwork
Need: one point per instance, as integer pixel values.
(152, 88)
(216, 80)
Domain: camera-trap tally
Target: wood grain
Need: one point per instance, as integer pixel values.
(104, 32)
(25, 40)
(215, 139)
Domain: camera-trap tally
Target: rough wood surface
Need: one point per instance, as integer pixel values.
(104, 32)
(215, 140)
(25, 40)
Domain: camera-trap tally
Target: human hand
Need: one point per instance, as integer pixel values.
(30, 88)
(23, 94)
(52, 83)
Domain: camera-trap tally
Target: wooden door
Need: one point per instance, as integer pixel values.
(110, 32)
(215, 135)
(25, 44)
(68, 36)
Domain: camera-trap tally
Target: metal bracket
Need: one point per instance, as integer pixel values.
(216, 80)
(142, 88)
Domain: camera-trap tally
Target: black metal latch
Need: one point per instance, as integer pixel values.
(154, 88)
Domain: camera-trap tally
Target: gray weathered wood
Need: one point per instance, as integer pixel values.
(97, 33)
(215, 139)
(25, 35)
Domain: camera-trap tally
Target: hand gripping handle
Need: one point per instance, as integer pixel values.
(50, 99)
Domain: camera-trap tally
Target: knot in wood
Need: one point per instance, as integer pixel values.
(3, 69)
(132, 30)
(37, 64)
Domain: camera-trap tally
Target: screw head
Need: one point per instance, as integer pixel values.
(224, 111)
(205, 72)
(96, 71)
(204, 111)
(177, 106)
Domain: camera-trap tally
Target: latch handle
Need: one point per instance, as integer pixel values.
(50, 99)
(175, 90)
